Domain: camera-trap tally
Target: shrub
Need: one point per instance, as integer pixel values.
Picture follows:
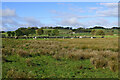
(9, 33)
(3, 35)
(6, 51)
(113, 56)
(57, 56)
(3, 58)
(93, 32)
(84, 47)
(113, 65)
(105, 54)
(29, 62)
(40, 31)
(13, 73)
(71, 56)
(55, 32)
(100, 32)
(13, 33)
(22, 53)
(18, 32)
(99, 62)
(79, 55)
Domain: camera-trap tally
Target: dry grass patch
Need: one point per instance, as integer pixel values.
(13, 73)
(22, 53)
(113, 65)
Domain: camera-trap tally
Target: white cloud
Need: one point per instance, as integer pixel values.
(102, 22)
(59, 14)
(110, 5)
(70, 22)
(110, 10)
(95, 8)
(108, 13)
(11, 21)
(76, 9)
(68, 19)
(76, 22)
(32, 21)
(8, 12)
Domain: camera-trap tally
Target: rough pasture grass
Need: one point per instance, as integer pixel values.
(60, 58)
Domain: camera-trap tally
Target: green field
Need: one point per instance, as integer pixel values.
(60, 58)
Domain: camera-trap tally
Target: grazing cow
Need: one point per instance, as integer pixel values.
(35, 37)
(102, 37)
(80, 37)
(16, 37)
(91, 37)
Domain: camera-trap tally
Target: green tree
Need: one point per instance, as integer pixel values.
(100, 32)
(40, 31)
(9, 33)
(13, 33)
(19, 32)
(32, 30)
(3, 35)
(93, 32)
(24, 31)
(49, 32)
(55, 32)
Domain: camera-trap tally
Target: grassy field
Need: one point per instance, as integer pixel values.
(60, 58)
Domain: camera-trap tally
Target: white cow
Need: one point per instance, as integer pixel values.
(34, 37)
(80, 37)
(91, 37)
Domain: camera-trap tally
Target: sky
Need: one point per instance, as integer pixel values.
(71, 14)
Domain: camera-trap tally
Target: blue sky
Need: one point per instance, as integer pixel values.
(74, 14)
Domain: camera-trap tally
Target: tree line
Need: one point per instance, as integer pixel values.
(32, 30)
(54, 31)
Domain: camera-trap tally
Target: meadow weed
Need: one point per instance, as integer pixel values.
(113, 65)
(22, 53)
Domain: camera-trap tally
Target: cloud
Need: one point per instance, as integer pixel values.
(76, 22)
(76, 9)
(69, 19)
(11, 21)
(111, 10)
(108, 13)
(70, 22)
(110, 5)
(61, 3)
(31, 21)
(95, 8)
(64, 4)
(58, 14)
(8, 12)
(102, 22)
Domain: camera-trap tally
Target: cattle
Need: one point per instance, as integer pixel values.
(16, 37)
(80, 37)
(91, 37)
